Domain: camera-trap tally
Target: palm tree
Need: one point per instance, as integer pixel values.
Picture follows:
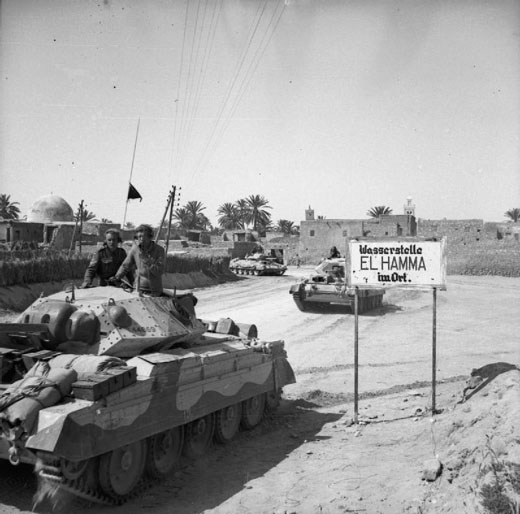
(198, 220)
(203, 222)
(229, 218)
(183, 218)
(258, 215)
(287, 227)
(380, 210)
(513, 214)
(244, 212)
(8, 210)
(191, 217)
(86, 215)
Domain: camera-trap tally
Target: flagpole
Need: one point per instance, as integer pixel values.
(131, 171)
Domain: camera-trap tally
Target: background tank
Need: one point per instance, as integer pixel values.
(104, 390)
(257, 264)
(327, 286)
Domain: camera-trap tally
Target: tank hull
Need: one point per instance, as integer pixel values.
(177, 392)
(81, 416)
(308, 297)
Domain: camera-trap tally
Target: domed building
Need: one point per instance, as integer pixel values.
(50, 209)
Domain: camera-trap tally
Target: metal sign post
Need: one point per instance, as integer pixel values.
(434, 349)
(356, 355)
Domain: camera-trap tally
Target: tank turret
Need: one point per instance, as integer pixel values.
(112, 321)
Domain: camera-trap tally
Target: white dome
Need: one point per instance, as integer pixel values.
(49, 209)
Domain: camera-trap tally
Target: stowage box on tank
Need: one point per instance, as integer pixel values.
(103, 389)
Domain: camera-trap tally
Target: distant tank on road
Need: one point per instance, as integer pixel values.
(257, 264)
(327, 286)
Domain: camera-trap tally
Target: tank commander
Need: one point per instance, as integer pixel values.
(334, 253)
(106, 261)
(147, 258)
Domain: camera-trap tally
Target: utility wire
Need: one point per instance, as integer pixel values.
(223, 122)
(232, 88)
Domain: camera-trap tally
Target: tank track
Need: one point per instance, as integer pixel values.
(50, 474)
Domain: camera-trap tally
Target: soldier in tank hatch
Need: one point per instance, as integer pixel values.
(106, 261)
(334, 253)
(147, 258)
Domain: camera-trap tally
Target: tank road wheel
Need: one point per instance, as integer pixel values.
(164, 451)
(73, 470)
(252, 411)
(121, 469)
(198, 436)
(227, 422)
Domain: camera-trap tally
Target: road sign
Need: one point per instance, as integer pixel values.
(397, 262)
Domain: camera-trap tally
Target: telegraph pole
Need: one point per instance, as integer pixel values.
(80, 223)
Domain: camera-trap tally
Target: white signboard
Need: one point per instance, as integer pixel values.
(400, 263)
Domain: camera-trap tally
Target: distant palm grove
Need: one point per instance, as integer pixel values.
(252, 212)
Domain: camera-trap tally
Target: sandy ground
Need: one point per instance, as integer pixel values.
(308, 457)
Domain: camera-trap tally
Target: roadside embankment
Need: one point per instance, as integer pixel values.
(19, 297)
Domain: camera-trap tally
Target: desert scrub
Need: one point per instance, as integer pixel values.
(188, 262)
(500, 492)
(49, 267)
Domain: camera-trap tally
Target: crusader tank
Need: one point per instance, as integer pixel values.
(104, 390)
(257, 264)
(327, 286)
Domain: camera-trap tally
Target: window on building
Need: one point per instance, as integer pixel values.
(345, 233)
(312, 233)
(467, 229)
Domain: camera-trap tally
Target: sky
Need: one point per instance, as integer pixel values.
(340, 105)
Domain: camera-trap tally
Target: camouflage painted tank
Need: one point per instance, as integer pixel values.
(103, 390)
(327, 286)
(257, 264)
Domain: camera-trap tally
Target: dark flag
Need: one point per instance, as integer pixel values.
(133, 193)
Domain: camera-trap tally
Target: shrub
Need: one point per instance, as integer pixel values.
(54, 266)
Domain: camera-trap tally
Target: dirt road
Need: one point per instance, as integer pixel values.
(307, 458)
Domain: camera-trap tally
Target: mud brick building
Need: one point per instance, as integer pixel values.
(455, 231)
(318, 235)
(16, 230)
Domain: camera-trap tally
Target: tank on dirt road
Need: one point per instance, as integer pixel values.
(103, 390)
(327, 286)
(257, 264)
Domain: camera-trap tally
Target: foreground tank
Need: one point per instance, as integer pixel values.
(257, 264)
(327, 286)
(103, 390)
